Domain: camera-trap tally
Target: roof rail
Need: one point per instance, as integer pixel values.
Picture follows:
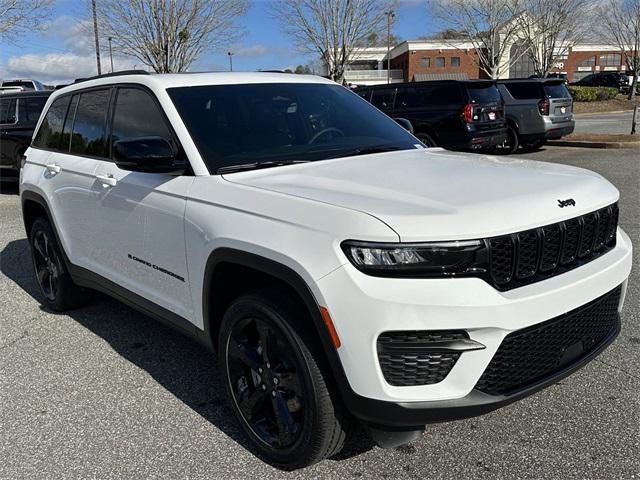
(112, 74)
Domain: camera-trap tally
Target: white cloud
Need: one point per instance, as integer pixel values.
(76, 35)
(252, 51)
(57, 67)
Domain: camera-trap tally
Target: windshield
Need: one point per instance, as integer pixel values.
(17, 83)
(484, 94)
(556, 90)
(284, 122)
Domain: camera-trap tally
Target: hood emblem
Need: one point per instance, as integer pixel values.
(566, 203)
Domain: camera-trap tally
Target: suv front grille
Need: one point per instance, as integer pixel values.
(407, 358)
(526, 257)
(528, 356)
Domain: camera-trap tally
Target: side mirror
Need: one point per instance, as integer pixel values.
(404, 123)
(147, 154)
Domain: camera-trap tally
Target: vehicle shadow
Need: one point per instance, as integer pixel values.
(180, 365)
(8, 186)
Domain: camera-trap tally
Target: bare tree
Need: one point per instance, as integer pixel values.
(168, 35)
(22, 16)
(332, 28)
(549, 28)
(619, 21)
(489, 25)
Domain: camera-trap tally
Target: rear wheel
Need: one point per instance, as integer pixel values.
(511, 143)
(56, 285)
(426, 139)
(282, 397)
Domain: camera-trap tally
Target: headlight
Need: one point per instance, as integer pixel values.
(418, 259)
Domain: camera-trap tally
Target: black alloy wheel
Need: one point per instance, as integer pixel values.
(510, 145)
(266, 383)
(47, 265)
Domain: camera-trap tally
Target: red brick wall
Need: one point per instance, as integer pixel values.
(409, 62)
(575, 58)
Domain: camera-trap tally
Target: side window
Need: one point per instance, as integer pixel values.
(89, 126)
(524, 91)
(383, 98)
(50, 130)
(443, 94)
(137, 116)
(29, 109)
(7, 111)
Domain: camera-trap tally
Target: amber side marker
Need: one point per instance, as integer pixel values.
(329, 323)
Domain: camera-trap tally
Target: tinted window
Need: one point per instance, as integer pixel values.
(18, 83)
(7, 111)
(426, 95)
(239, 124)
(439, 61)
(29, 109)
(137, 115)
(482, 94)
(524, 90)
(610, 60)
(65, 143)
(383, 98)
(50, 130)
(89, 135)
(556, 90)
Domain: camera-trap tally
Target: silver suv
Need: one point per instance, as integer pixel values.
(536, 110)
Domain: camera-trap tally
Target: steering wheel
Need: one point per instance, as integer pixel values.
(323, 132)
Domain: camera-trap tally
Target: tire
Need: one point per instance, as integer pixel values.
(426, 139)
(535, 145)
(510, 145)
(282, 395)
(59, 292)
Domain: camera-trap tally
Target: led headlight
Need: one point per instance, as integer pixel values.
(416, 259)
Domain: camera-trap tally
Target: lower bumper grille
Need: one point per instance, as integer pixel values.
(528, 356)
(410, 358)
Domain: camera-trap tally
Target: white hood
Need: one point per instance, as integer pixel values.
(433, 194)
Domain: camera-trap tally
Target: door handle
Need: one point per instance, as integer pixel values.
(107, 180)
(53, 168)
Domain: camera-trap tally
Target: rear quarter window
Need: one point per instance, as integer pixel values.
(30, 108)
(429, 95)
(483, 95)
(7, 111)
(556, 90)
(50, 131)
(524, 90)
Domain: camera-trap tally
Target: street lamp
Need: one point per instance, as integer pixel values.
(390, 14)
(230, 61)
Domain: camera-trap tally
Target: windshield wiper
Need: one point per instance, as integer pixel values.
(367, 151)
(257, 165)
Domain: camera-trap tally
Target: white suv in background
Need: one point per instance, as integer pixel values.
(345, 275)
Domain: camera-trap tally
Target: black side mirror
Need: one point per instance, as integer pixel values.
(404, 123)
(147, 154)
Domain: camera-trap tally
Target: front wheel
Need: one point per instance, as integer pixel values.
(283, 399)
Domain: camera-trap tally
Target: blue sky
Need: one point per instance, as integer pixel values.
(65, 51)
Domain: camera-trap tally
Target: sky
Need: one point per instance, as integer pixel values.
(64, 51)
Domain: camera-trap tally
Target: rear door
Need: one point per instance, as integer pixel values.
(8, 128)
(140, 216)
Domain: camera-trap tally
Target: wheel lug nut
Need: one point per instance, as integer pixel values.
(273, 394)
(260, 370)
(276, 381)
(264, 387)
(268, 365)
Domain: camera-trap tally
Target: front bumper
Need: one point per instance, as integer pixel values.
(362, 307)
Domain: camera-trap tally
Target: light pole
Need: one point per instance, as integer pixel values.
(230, 61)
(111, 54)
(390, 14)
(95, 34)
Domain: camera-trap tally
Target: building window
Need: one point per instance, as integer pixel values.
(439, 62)
(588, 62)
(425, 62)
(455, 61)
(610, 60)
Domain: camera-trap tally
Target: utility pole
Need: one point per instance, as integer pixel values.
(390, 14)
(95, 33)
(166, 57)
(111, 54)
(230, 61)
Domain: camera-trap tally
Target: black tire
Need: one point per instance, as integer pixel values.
(57, 287)
(535, 145)
(282, 395)
(510, 145)
(426, 139)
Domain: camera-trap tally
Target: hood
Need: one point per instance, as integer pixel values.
(433, 194)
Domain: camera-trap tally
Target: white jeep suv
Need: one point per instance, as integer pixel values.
(345, 275)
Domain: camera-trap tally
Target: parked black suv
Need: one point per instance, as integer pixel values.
(19, 114)
(606, 79)
(460, 115)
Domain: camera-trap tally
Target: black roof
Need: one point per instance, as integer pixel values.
(481, 81)
(28, 93)
(534, 80)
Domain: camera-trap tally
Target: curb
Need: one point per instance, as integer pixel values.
(586, 144)
(590, 114)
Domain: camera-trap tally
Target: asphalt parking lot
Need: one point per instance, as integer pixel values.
(105, 392)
